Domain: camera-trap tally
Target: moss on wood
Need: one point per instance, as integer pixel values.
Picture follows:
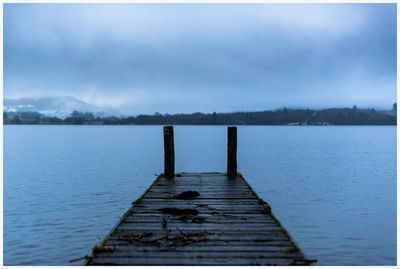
(101, 248)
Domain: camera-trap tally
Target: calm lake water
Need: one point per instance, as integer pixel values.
(332, 187)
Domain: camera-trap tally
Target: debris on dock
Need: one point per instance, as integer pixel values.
(224, 224)
(186, 195)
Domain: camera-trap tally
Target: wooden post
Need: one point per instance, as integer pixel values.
(169, 154)
(232, 148)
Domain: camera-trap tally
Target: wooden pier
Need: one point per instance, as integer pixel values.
(198, 219)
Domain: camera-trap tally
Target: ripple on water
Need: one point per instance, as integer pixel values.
(321, 183)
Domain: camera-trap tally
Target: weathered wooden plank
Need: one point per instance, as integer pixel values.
(204, 178)
(271, 241)
(202, 202)
(224, 189)
(223, 220)
(200, 206)
(243, 215)
(199, 227)
(170, 192)
(200, 178)
(195, 261)
(211, 186)
(204, 196)
(229, 241)
(200, 210)
(226, 210)
(256, 235)
(238, 213)
(206, 214)
(206, 248)
(229, 222)
(232, 198)
(172, 254)
(199, 181)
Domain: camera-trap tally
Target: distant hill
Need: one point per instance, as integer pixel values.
(61, 106)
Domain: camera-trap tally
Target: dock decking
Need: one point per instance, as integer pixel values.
(217, 220)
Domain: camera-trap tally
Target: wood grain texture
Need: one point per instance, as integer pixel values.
(228, 226)
(232, 149)
(169, 151)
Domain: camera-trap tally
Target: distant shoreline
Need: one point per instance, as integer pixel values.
(281, 117)
(64, 124)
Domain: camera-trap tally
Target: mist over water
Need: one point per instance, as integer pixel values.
(332, 187)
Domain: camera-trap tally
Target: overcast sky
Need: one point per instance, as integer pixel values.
(143, 58)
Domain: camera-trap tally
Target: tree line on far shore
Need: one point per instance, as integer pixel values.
(333, 116)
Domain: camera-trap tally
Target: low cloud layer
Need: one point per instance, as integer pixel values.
(143, 58)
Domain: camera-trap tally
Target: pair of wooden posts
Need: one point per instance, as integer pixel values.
(169, 152)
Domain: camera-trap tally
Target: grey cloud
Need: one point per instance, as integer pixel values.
(203, 57)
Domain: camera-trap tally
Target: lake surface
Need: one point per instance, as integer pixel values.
(332, 187)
